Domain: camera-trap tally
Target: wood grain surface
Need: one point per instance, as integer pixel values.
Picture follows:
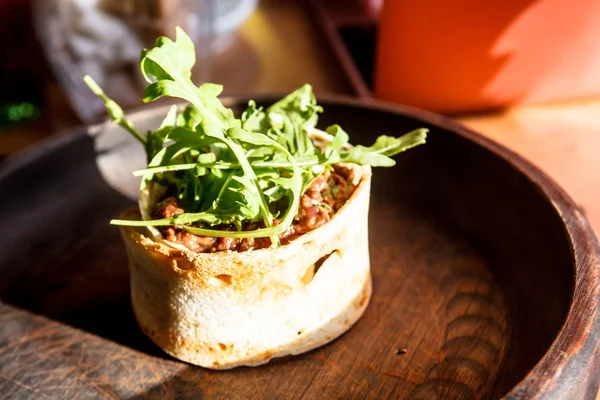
(473, 278)
(562, 139)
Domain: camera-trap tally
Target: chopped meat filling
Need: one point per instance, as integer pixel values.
(323, 198)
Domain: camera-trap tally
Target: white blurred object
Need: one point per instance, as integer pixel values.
(103, 38)
(229, 14)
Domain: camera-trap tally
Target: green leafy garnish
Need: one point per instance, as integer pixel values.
(228, 170)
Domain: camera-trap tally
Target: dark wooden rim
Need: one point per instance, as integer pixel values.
(577, 337)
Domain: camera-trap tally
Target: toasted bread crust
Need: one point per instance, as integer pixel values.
(228, 309)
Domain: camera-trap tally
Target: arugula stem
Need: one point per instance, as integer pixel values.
(257, 233)
(296, 188)
(114, 110)
(135, 222)
(225, 166)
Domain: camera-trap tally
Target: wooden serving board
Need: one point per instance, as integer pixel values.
(475, 258)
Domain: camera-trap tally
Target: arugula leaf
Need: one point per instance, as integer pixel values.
(378, 155)
(169, 59)
(214, 182)
(190, 195)
(155, 139)
(249, 206)
(254, 119)
(260, 153)
(189, 118)
(340, 139)
(294, 117)
(168, 69)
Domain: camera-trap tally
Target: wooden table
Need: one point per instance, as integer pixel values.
(279, 50)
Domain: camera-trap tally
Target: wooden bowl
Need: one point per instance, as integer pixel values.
(485, 274)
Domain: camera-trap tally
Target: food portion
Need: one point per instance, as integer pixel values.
(325, 195)
(251, 240)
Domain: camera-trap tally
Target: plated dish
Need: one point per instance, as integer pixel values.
(485, 284)
(251, 237)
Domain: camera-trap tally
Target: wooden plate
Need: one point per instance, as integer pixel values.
(486, 279)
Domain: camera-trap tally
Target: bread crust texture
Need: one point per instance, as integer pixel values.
(227, 309)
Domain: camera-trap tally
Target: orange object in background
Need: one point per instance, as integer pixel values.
(473, 55)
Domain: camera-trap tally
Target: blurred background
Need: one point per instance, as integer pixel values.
(249, 46)
(450, 57)
(523, 72)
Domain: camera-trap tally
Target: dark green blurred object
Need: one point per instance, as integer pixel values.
(21, 65)
(11, 114)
